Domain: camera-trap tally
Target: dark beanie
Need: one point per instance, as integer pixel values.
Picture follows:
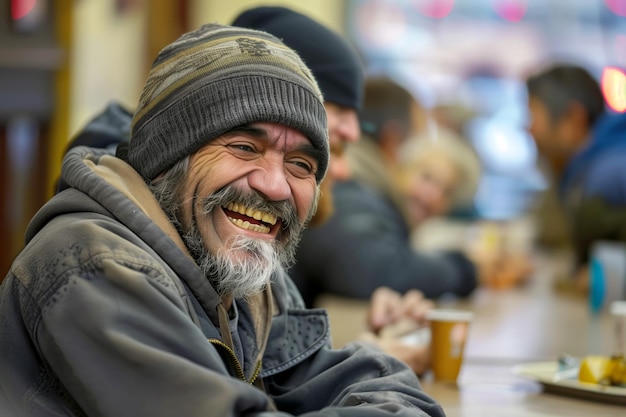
(335, 63)
(217, 78)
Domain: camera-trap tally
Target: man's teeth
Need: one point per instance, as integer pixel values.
(255, 214)
(261, 228)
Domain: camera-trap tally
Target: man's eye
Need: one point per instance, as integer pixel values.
(302, 167)
(305, 165)
(243, 147)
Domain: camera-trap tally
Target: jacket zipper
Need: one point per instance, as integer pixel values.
(238, 367)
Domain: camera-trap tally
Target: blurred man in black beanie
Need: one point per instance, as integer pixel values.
(338, 71)
(335, 64)
(340, 75)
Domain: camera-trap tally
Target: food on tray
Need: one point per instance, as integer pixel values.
(603, 370)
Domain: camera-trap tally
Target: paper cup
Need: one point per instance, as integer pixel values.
(449, 330)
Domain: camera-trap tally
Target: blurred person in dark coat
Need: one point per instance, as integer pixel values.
(366, 243)
(339, 72)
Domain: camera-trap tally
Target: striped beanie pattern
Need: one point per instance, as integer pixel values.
(217, 78)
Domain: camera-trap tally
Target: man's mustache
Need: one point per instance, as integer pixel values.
(283, 210)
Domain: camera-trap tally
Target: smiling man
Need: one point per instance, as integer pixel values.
(154, 284)
(244, 222)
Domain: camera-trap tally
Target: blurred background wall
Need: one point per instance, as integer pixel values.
(114, 42)
(61, 61)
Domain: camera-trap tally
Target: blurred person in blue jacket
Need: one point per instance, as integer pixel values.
(585, 145)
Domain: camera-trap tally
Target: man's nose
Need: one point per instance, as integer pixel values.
(531, 128)
(271, 181)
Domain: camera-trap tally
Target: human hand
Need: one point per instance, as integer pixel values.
(389, 308)
(502, 270)
(393, 315)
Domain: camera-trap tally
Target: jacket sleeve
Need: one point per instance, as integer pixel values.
(308, 377)
(356, 381)
(365, 245)
(605, 178)
(118, 338)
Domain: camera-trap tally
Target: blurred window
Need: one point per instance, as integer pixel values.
(474, 54)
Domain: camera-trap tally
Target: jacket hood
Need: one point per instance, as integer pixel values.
(105, 185)
(112, 187)
(105, 131)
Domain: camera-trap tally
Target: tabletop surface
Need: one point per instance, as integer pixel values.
(532, 323)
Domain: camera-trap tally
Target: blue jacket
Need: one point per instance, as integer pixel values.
(600, 168)
(593, 186)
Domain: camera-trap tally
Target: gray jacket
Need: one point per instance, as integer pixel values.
(105, 314)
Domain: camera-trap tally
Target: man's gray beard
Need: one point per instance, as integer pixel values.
(244, 265)
(241, 268)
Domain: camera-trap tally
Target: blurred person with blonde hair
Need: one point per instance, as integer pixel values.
(437, 173)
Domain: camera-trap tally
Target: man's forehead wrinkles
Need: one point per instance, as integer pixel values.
(281, 137)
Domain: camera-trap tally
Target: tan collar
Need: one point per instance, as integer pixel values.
(124, 178)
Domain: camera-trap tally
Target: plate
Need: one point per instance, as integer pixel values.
(566, 383)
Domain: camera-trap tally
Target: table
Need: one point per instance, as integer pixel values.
(486, 390)
(531, 323)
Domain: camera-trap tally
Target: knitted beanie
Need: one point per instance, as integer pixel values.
(335, 64)
(214, 79)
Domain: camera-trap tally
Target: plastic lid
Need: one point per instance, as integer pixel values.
(448, 314)
(618, 308)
